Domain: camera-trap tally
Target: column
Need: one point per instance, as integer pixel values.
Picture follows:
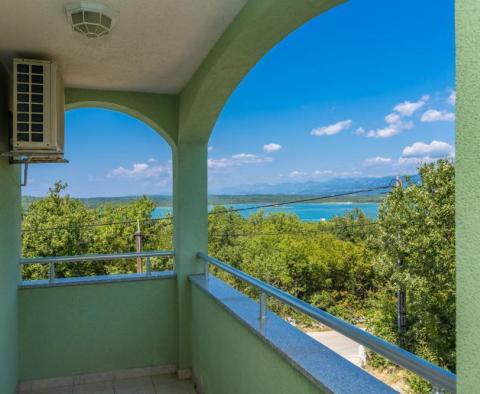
(190, 211)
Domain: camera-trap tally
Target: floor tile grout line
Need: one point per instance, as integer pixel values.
(153, 385)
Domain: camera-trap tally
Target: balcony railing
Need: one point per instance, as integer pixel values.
(440, 379)
(53, 261)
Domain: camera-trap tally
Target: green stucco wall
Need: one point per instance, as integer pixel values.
(228, 358)
(259, 26)
(159, 111)
(9, 252)
(186, 121)
(81, 329)
(190, 210)
(468, 194)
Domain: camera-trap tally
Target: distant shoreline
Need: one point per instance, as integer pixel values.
(166, 201)
(308, 212)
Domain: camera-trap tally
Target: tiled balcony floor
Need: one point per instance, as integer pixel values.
(159, 384)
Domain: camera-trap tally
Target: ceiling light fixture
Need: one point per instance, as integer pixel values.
(90, 19)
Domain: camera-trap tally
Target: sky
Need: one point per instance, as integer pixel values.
(364, 90)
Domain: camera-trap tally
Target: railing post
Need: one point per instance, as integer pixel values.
(148, 267)
(138, 246)
(263, 306)
(51, 272)
(442, 380)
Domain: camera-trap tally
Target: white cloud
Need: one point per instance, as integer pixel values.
(452, 99)
(414, 161)
(377, 161)
(332, 129)
(360, 131)
(320, 173)
(210, 148)
(269, 148)
(141, 171)
(152, 160)
(323, 174)
(432, 150)
(386, 132)
(347, 174)
(249, 158)
(407, 108)
(392, 129)
(411, 164)
(419, 153)
(296, 174)
(392, 118)
(239, 159)
(395, 120)
(432, 115)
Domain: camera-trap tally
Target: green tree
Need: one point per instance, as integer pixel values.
(354, 226)
(226, 234)
(61, 226)
(415, 251)
(348, 266)
(117, 233)
(301, 258)
(57, 226)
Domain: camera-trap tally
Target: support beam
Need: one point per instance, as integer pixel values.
(190, 234)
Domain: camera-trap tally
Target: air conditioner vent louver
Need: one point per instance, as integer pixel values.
(30, 102)
(38, 107)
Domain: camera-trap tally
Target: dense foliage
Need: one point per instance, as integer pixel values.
(61, 226)
(350, 266)
(415, 251)
(305, 259)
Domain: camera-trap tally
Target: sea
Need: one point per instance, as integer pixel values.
(312, 212)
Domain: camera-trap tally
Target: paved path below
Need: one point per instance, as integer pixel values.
(342, 345)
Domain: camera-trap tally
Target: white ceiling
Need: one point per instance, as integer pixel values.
(156, 45)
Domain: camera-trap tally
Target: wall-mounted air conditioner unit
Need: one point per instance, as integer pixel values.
(38, 111)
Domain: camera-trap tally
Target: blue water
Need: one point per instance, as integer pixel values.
(306, 212)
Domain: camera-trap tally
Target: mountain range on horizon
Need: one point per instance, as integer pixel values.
(327, 186)
(257, 193)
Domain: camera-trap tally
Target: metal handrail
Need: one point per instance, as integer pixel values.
(440, 378)
(95, 257)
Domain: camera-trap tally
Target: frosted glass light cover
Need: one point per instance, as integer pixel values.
(90, 19)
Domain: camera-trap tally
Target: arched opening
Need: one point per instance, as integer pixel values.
(114, 196)
(125, 109)
(319, 118)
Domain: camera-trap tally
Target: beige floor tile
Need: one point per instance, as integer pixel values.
(97, 377)
(143, 385)
(94, 388)
(54, 390)
(169, 384)
(42, 384)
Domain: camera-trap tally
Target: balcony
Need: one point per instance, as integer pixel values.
(173, 65)
(120, 332)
